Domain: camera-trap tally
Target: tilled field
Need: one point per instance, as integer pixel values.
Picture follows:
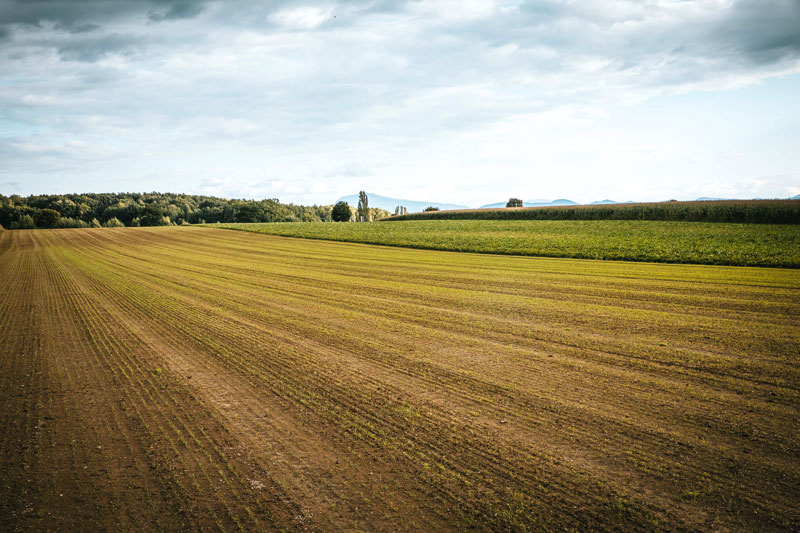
(201, 379)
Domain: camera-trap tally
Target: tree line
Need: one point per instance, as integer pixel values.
(148, 209)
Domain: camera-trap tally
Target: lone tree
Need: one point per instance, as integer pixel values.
(46, 218)
(363, 205)
(431, 208)
(341, 212)
(514, 202)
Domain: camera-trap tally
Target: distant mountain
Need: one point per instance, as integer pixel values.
(385, 202)
(542, 203)
(795, 197)
(532, 203)
(604, 202)
(706, 199)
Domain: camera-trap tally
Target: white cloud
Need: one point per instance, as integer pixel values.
(459, 99)
(301, 18)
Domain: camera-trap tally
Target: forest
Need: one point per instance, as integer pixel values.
(148, 209)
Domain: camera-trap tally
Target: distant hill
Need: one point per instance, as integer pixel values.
(385, 202)
(604, 202)
(795, 197)
(560, 201)
(495, 206)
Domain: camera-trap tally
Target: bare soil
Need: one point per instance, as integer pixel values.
(200, 379)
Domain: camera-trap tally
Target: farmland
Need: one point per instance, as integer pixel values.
(192, 378)
(738, 211)
(656, 241)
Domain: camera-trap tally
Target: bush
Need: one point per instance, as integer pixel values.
(341, 212)
(430, 208)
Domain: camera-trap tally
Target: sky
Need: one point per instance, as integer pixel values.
(460, 101)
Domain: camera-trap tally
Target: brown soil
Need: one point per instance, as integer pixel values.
(198, 379)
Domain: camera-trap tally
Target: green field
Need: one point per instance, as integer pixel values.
(625, 240)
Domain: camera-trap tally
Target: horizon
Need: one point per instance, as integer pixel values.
(606, 201)
(452, 102)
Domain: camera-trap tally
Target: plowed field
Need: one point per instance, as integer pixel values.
(201, 379)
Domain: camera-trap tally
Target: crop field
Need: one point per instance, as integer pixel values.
(739, 211)
(655, 241)
(192, 378)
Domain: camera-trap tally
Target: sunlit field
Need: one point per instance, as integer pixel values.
(194, 378)
(628, 240)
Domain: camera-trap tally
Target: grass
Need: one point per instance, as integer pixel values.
(328, 386)
(653, 241)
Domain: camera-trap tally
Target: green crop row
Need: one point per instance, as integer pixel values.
(653, 241)
(743, 211)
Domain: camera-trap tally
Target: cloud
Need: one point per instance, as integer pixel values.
(763, 32)
(85, 27)
(77, 12)
(294, 89)
(302, 18)
(94, 48)
(177, 10)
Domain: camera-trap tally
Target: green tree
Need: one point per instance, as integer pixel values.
(46, 218)
(363, 205)
(341, 212)
(431, 208)
(514, 202)
(247, 213)
(25, 222)
(113, 222)
(151, 216)
(376, 213)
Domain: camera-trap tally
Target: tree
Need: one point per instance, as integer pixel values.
(113, 222)
(363, 205)
(46, 218)
(431, 208)
(376, 213)
(151, 216)
(25, 222)
(247, 213)
(341, 212)
(514, 202)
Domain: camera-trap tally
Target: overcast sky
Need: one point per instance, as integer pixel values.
(463, 101)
